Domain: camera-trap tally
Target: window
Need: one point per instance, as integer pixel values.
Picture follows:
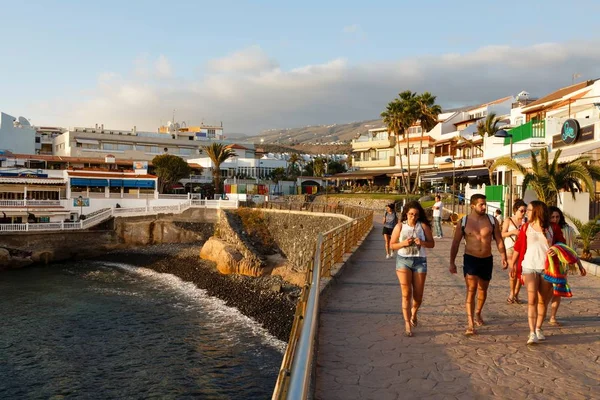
(186, 152)
(108, 146)
(37, 139)
(211, 133)
(124, 147)
(414, 130)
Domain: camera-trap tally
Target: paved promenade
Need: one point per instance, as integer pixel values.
(362, 353)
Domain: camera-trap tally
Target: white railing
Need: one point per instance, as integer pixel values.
(28, 203)
(102, 215)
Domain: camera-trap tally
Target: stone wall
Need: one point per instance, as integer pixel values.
(371, 204)
(296, 233)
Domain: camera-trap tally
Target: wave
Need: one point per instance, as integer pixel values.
(215, 307)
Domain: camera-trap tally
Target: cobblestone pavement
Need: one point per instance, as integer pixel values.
(362, 353)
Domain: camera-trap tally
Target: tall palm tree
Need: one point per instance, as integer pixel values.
(489, 126)
(410, 115)
(428, 118)
(319, 166)
(218, 154)
(392, 118)
(548, 178)
(292, 161)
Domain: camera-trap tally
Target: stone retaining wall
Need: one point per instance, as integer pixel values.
(296, 233)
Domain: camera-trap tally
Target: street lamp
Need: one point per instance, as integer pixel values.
(448, 160)
(80, 198)
(504, 134)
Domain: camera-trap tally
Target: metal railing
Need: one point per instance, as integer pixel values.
(101, 215)
(293, 380)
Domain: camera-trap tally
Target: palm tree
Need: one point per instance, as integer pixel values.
(428, 118)
(399, 115)
(410, 115)
(392, 118)
(292, 161)
(488, 126)
(548, 178)
(218, 154)
(319, 166)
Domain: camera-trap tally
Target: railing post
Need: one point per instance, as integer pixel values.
(26, 225)
(62, 225)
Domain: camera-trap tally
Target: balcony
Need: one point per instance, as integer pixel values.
(426, 159)
(384, 162)
(373, 143)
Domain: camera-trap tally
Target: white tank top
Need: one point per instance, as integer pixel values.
(538, 244)
(414, 232)
(509, 242)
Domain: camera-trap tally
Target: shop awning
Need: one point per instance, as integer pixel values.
(89, 182)
(132, 183)
(32, 181)
(571, 153)
(470, 173)
(87, 141)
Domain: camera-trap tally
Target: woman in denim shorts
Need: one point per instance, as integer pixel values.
(410, 238)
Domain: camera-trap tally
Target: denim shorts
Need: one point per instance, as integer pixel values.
(527, 271)
(415, 264)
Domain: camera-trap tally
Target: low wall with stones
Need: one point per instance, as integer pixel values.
(296, 233)
(371, 204)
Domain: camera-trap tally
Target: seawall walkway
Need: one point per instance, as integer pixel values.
(362, 353)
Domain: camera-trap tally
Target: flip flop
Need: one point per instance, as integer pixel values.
(510, 300)
(470, 332)
(408, 334)
(554, 323)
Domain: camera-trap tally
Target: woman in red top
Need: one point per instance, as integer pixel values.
(529, 260)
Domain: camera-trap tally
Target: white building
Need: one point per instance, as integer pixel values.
(16, 135)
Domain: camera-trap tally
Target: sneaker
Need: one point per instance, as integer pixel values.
(532, 338)
(391, 254)
(540, 335)
(387, 256)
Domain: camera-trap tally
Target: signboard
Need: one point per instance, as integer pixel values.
(24, 174)
(109, 159)
(570, 131)
(83, 202)
(584, 134)
(140, 165)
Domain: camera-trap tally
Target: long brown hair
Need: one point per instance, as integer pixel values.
(415, 205)
(539, 212)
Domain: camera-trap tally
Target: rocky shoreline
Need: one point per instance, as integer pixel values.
(268, 300)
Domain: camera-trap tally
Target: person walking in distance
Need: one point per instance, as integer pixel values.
(390, 219)
(530, 253)
(510, 231)
(438, 206)
(410, 238)
(479, 229)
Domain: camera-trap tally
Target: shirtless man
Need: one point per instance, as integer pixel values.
(478, 263)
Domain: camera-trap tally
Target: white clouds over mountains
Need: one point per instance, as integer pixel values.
(248, 90)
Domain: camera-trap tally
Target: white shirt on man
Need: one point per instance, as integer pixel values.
(437, 212)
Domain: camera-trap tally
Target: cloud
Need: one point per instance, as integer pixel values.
(354, 32)
(351, 29)
(249, 92)
(250, 60)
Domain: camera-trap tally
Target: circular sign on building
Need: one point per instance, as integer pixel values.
(570, 131)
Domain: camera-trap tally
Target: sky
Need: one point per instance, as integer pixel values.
(256, 65)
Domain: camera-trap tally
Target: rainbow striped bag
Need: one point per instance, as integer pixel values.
(557, 267)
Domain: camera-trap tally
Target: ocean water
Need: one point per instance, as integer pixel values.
(102, 330)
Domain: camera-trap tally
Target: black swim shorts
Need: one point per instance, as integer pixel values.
(480, 267)
(387, 231)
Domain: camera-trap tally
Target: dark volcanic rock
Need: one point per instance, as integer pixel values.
(253, 296)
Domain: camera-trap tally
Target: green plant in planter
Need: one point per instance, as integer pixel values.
(587, 233)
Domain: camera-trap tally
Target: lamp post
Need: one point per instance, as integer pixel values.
(453, 179)
(504, 134)
(80, 198)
